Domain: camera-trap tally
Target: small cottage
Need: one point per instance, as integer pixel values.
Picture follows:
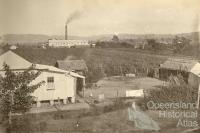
(59, 84)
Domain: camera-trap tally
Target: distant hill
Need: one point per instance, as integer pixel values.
(27, 38)
(157, 36)
(1, 39)
(39, 38)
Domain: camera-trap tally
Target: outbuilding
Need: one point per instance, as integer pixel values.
(188, 68)
(78, 66)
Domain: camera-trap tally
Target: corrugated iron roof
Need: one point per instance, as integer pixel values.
(179, 64)
(52, 68)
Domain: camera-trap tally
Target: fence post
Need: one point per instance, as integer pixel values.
(198, 97)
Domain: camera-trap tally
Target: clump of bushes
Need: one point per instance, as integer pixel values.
(113, 44)
(177, 90)
(118, 103)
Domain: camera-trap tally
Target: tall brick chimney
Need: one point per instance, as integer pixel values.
(66, 35)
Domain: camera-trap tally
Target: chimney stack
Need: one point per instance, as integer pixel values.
(66, 35)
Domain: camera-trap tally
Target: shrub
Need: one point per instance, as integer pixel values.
(176, 91)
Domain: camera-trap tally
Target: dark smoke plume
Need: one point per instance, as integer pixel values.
(75, 15)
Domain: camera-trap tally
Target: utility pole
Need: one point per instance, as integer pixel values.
(120, 69)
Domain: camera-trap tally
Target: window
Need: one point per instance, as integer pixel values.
(50, 83)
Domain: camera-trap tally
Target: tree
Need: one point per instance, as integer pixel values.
(115, 38)
(16, 89)
(180, 43)
(153, 44)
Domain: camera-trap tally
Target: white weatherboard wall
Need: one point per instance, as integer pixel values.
(65, 86)
(194, 76)
(194, 80)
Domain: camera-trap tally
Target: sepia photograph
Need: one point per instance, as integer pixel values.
(99, 66)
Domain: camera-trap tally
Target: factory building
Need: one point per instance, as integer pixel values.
(68, 43)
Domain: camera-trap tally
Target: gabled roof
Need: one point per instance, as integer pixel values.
(71, 65)
(49, 68)
(183, 64)
(16, 62)
(13, 60)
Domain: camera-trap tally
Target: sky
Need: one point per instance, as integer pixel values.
(99, 16)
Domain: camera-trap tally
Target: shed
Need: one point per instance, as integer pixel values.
(187, 67)
(78, 66)
(13, 47)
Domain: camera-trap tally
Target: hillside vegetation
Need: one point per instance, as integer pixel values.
(100, 62)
